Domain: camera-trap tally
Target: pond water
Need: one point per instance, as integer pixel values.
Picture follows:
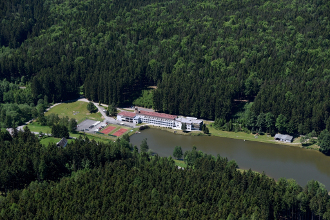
(275, 160)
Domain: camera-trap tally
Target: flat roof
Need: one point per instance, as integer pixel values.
(159, 115)
(188, 120)
(284, 136)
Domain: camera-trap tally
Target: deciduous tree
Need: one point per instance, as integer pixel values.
(177, 153)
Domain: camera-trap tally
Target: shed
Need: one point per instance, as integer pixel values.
(283, 137)
(62, 143)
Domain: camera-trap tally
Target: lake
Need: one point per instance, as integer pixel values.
(275, 160)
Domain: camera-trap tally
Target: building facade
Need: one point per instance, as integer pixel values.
(126, 116)
(160, 119)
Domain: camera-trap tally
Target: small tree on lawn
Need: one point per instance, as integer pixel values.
(144, 146)
(90, 107)
(177, 153)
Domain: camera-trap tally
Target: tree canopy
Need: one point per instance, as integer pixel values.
(110, 181)
(203, 57)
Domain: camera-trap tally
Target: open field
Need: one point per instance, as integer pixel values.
(36, 127)
(120, 132)
(77, 110)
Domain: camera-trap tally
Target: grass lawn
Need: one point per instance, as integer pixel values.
(180, 163)
(36, 127)
(77, 110)
(251, 137)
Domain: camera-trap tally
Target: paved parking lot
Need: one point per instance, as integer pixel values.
(85, 126)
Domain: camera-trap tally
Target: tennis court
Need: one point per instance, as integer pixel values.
(108, 130)
(120, 132)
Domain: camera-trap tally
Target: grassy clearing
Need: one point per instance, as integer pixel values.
(251, 137)
(36, 127)
(145, 100)
(180, 163)
(46, 141)
(77, 110)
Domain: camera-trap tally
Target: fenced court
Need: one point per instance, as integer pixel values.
(120, 132)
(108, 130)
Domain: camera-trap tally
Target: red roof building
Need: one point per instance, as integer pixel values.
(158, 115)
(127, 114)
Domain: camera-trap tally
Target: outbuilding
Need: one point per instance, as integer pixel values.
(62, 143)
(284, 138)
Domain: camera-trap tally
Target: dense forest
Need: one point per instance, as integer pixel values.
(204, 56)
(17, 104)
(87, 179)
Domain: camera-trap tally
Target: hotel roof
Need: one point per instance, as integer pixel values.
(127, 114)
(159, 115)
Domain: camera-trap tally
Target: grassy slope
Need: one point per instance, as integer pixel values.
(251, 137)
(71, 110)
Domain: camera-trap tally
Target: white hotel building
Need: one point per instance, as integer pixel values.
(160, 119)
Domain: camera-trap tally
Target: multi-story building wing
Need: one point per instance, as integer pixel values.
(160, 119)
(126, 116)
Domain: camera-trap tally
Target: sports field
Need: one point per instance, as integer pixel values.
(108, 130)
(77, 110)
(120, 132)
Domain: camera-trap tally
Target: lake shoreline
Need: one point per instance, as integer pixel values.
(275, 160)
(238, 136)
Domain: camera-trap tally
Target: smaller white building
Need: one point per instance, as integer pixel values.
(191, 123)
(283, 137)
